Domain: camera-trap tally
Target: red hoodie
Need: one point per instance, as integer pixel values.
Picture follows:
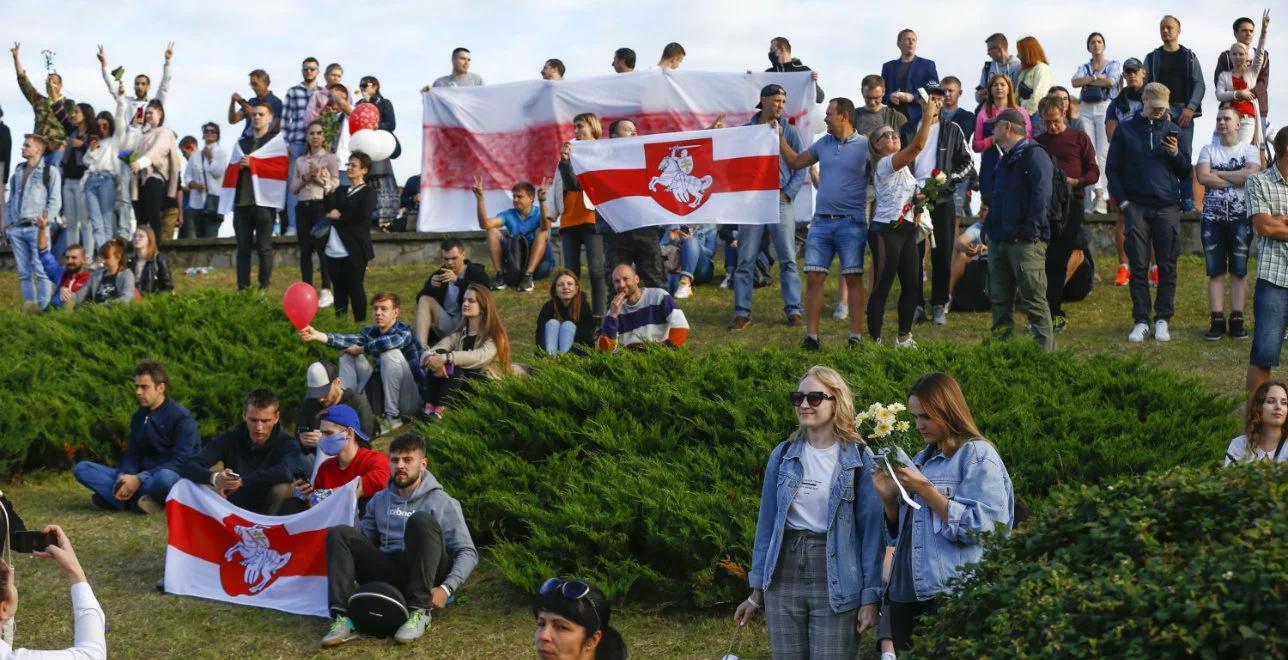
(372, 466)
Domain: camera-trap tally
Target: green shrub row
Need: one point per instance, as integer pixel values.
(642, 471)
(67, 377)
(1187, 563)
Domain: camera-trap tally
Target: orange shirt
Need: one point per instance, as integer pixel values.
(575, 212)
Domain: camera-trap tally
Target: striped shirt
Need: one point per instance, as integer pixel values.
(297, 102)
(653, 318)
(1268, 194)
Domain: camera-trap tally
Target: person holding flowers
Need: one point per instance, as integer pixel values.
(955, 489)
(816, 562)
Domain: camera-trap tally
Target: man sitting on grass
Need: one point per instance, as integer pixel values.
(325, 389)
(397, 353)
(259, 458)
(163, 436)
(346, 455)
(517, 237)
(69, 276)
(638, 315)
(412, 535)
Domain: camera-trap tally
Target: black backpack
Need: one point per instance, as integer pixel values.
(377, 609)
(517, 250)
(1061, 197)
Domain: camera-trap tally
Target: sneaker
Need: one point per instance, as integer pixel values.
(795, 321)
(739, 322)
(148, 505)
(387, 424)
(1124, 274)
(939, 315)
(905, 343)
(525, 284)
(842, 310)
(1138, 333)
(811, 343)
(919, 315)
(413, 627)
(854, 341)
(727, 281)
(326, 299)
(1153, 275)
(684, 290)
(1236, 327)
(498, 282)
(1160, 331)
(1102, 202)
(1059, 322)
(341, 631)
(1217, 330)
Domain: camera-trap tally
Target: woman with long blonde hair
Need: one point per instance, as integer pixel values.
(576, 215)
(963, 489)
(816, 562)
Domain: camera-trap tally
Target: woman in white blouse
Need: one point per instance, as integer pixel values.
(1264, 433)
(88, 621)
(204, 176)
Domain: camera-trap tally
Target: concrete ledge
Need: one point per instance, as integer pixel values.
(422, 248)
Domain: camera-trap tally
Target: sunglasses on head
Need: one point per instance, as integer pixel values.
(572, 590)
(815, 399)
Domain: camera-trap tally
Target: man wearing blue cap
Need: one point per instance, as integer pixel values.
(342, 457)
(259, 458)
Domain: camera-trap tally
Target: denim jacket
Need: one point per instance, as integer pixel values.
(980, 496)
(25, 203)
(855, 547)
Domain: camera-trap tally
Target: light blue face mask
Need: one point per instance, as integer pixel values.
(332, 444)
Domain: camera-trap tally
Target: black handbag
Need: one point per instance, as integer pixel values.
(321, 231)
(211, 205)
(377, 609)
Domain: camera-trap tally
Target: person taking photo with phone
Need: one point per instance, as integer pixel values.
(88, 620)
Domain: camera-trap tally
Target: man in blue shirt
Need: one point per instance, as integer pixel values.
(906, 75)
(239, 108)
(839, 227)
(525, 223)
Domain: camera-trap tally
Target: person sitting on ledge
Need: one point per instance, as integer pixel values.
(259, 458)
(639, 316)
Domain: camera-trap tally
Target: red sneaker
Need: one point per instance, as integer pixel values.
(1153, 275)
(1124, 274)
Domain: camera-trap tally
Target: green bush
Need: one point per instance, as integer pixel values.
(642, 471)
(67, 376)
(1187, 563)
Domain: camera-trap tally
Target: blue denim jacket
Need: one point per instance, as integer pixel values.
(26, 203)
(980, 496)
(855, 546)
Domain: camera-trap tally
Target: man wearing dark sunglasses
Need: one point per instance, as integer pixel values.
(412, 535)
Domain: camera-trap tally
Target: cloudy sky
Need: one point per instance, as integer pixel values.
(408, 44)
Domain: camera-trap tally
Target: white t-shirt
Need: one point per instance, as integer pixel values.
(928, 157)
(809, 509)
(894, 189)
(1238, 452)
(1226, 204)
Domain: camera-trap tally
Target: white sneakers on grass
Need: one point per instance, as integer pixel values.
(842, 310)
(1140, 332)
(684, 290)
(325, 299)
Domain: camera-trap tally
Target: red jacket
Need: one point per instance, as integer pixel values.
(372, 466)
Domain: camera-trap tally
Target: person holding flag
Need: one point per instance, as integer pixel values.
(254, 189)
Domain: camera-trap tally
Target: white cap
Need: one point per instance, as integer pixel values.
(318, 379)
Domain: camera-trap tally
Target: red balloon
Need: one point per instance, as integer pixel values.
(364, 115)
(300, 302)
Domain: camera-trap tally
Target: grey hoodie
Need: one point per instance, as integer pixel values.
(387, 515)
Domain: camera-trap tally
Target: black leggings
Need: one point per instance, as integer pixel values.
(147, 208)
(1057, 256)
(941, 256)
(903, 618)
(349, 278)
(896, 254)
(308, 214)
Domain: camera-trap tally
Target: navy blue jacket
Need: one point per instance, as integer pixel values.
(1139, 170)
(1021, 194)
(920, 72)
(161, 439)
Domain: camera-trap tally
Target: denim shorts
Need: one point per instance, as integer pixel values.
(1225, 246)
(835, 237)
(1270, 318)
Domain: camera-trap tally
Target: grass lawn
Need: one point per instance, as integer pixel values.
(123, 554)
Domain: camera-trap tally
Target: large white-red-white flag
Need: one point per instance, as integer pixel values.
(218, 551)
(696, 177)
(269, 166)
(512, 132)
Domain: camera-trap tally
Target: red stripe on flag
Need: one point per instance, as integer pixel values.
(231, 175)
(273, 167)
(200, 535)
(743, 174)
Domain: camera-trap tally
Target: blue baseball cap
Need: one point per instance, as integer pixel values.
(345, 416)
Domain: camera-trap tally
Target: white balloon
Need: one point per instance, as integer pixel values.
(379, 145)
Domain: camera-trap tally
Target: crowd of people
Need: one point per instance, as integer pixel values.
(895, 177)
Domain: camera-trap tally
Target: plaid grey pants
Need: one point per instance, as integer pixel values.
(797, 611)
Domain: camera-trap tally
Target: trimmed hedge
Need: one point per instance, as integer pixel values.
(67, 376)
(642, 471)
(1188, 563)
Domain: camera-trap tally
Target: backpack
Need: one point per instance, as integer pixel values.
(517, 249)
(377, 609)
(1061, 197)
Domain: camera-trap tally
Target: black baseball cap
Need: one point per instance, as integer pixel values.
(1132, 64)
(1008, 115)
(771, 89)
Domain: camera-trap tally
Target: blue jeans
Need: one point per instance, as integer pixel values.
(558, 336)
(783, 236)
(1225, 247)
(22, 240)
(830, 237)
(697, 257)
(101, 480)
(297, 150)
(100, 201)
(1270, 318)
(76, 217)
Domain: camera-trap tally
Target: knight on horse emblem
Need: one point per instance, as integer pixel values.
(678, 179)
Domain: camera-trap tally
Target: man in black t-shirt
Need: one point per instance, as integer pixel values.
(1178, 69)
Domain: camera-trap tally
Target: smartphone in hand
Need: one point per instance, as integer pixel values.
(32, 541)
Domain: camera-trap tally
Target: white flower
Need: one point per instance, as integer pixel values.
(942, 178)
(875, 408)
(862, 417)
(883, 429)
(902, 426)
(897, 408)
(886, 417)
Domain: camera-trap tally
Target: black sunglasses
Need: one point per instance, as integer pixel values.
(572, 590)
(815, 399)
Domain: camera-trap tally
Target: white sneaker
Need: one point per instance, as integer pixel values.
(684, 290)
(1160, 331)
(726, 282)
(325, 299)
(905, 343)
(1139, 332)
(1102, 202)
(842, 311)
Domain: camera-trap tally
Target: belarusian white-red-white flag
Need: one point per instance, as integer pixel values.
(727, 175)
(221, 552)
(269, 166)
